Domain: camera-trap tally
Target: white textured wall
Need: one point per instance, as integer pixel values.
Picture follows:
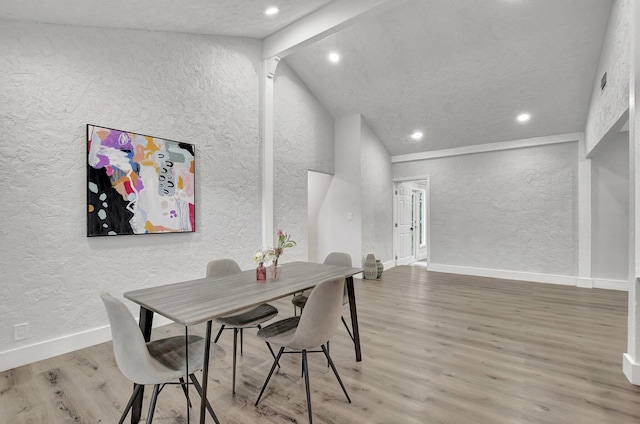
(303, 141)
(610, 185)
(55, 79)
(377, 197)
(318, 184)
(507, 210)
(607, 106)
(336, 232)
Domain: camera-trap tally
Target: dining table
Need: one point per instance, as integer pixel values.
(193, 302)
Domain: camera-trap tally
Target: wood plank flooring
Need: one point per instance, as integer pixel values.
(437, 348)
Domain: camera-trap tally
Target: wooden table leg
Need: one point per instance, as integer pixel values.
(354, 317)
(146, 321)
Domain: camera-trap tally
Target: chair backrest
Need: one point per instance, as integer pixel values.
(341, 259)
(320, 316)
(338, 258)
(222, 268)
(129, 347)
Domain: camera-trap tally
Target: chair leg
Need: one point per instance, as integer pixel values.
(218, 335)
(196, 384)
(136, 390)
(184, 389)
(327, 352)
(270, 374)
(241, 340)
(268, 345)
(152, 404)
(347, 327)
(305, 367)
(235, 348)
(335, 371)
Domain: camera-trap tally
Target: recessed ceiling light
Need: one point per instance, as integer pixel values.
(416, 136)
(334, 57)
(272, 11)
(524, 117)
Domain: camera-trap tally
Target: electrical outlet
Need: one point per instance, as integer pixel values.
(21, 331)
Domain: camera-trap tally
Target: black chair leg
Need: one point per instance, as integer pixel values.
(269, 346)
(136, 390)
(196, 384)
(305, 367)
(335, 371)
(218, 335)
(152, 404)
(184, 389)
(235, 348)
(327, 352)
(270, 374)
(241, 341)
(347, 327)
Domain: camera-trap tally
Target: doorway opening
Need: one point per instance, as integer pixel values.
(411, 221)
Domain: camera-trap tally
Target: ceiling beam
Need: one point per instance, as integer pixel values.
(325, 21)
(489, 147)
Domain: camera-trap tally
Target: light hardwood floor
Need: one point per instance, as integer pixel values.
(437, 348)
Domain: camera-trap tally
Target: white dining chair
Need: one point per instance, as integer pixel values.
(311, 330)
(157, 363)
(251, 317)
(333, 258)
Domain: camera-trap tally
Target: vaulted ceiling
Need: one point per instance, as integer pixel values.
(459, 71)
(240, 18)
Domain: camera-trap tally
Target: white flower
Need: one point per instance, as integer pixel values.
(261, 255)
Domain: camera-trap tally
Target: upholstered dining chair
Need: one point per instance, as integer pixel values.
(333, 258)
(311, 330)
(157, 363)
(238, 321)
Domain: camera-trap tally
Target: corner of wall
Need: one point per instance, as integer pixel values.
(631, 369)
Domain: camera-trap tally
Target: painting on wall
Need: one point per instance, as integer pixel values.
(138, 184)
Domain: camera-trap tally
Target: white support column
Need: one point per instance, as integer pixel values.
(631, 359)
(269, 69)
(584, 216)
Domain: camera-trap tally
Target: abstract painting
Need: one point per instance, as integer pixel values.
(138, 184)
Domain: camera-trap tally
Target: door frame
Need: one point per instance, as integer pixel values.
(427, 199)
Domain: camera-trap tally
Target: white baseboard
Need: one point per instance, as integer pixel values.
(48, 349)
(566, 280)
(586, 283)
(601, 283)
(631, 369)
(509, 275)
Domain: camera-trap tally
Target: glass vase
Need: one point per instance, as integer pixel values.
(261, 272)
(274, 271)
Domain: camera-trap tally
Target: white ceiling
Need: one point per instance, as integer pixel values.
(242, 18)
(459, 70)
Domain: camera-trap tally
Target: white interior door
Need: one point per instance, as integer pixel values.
(405, 225)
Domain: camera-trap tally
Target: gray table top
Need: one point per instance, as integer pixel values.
(196, 301)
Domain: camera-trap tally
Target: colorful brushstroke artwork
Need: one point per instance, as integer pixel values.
(138, 184)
